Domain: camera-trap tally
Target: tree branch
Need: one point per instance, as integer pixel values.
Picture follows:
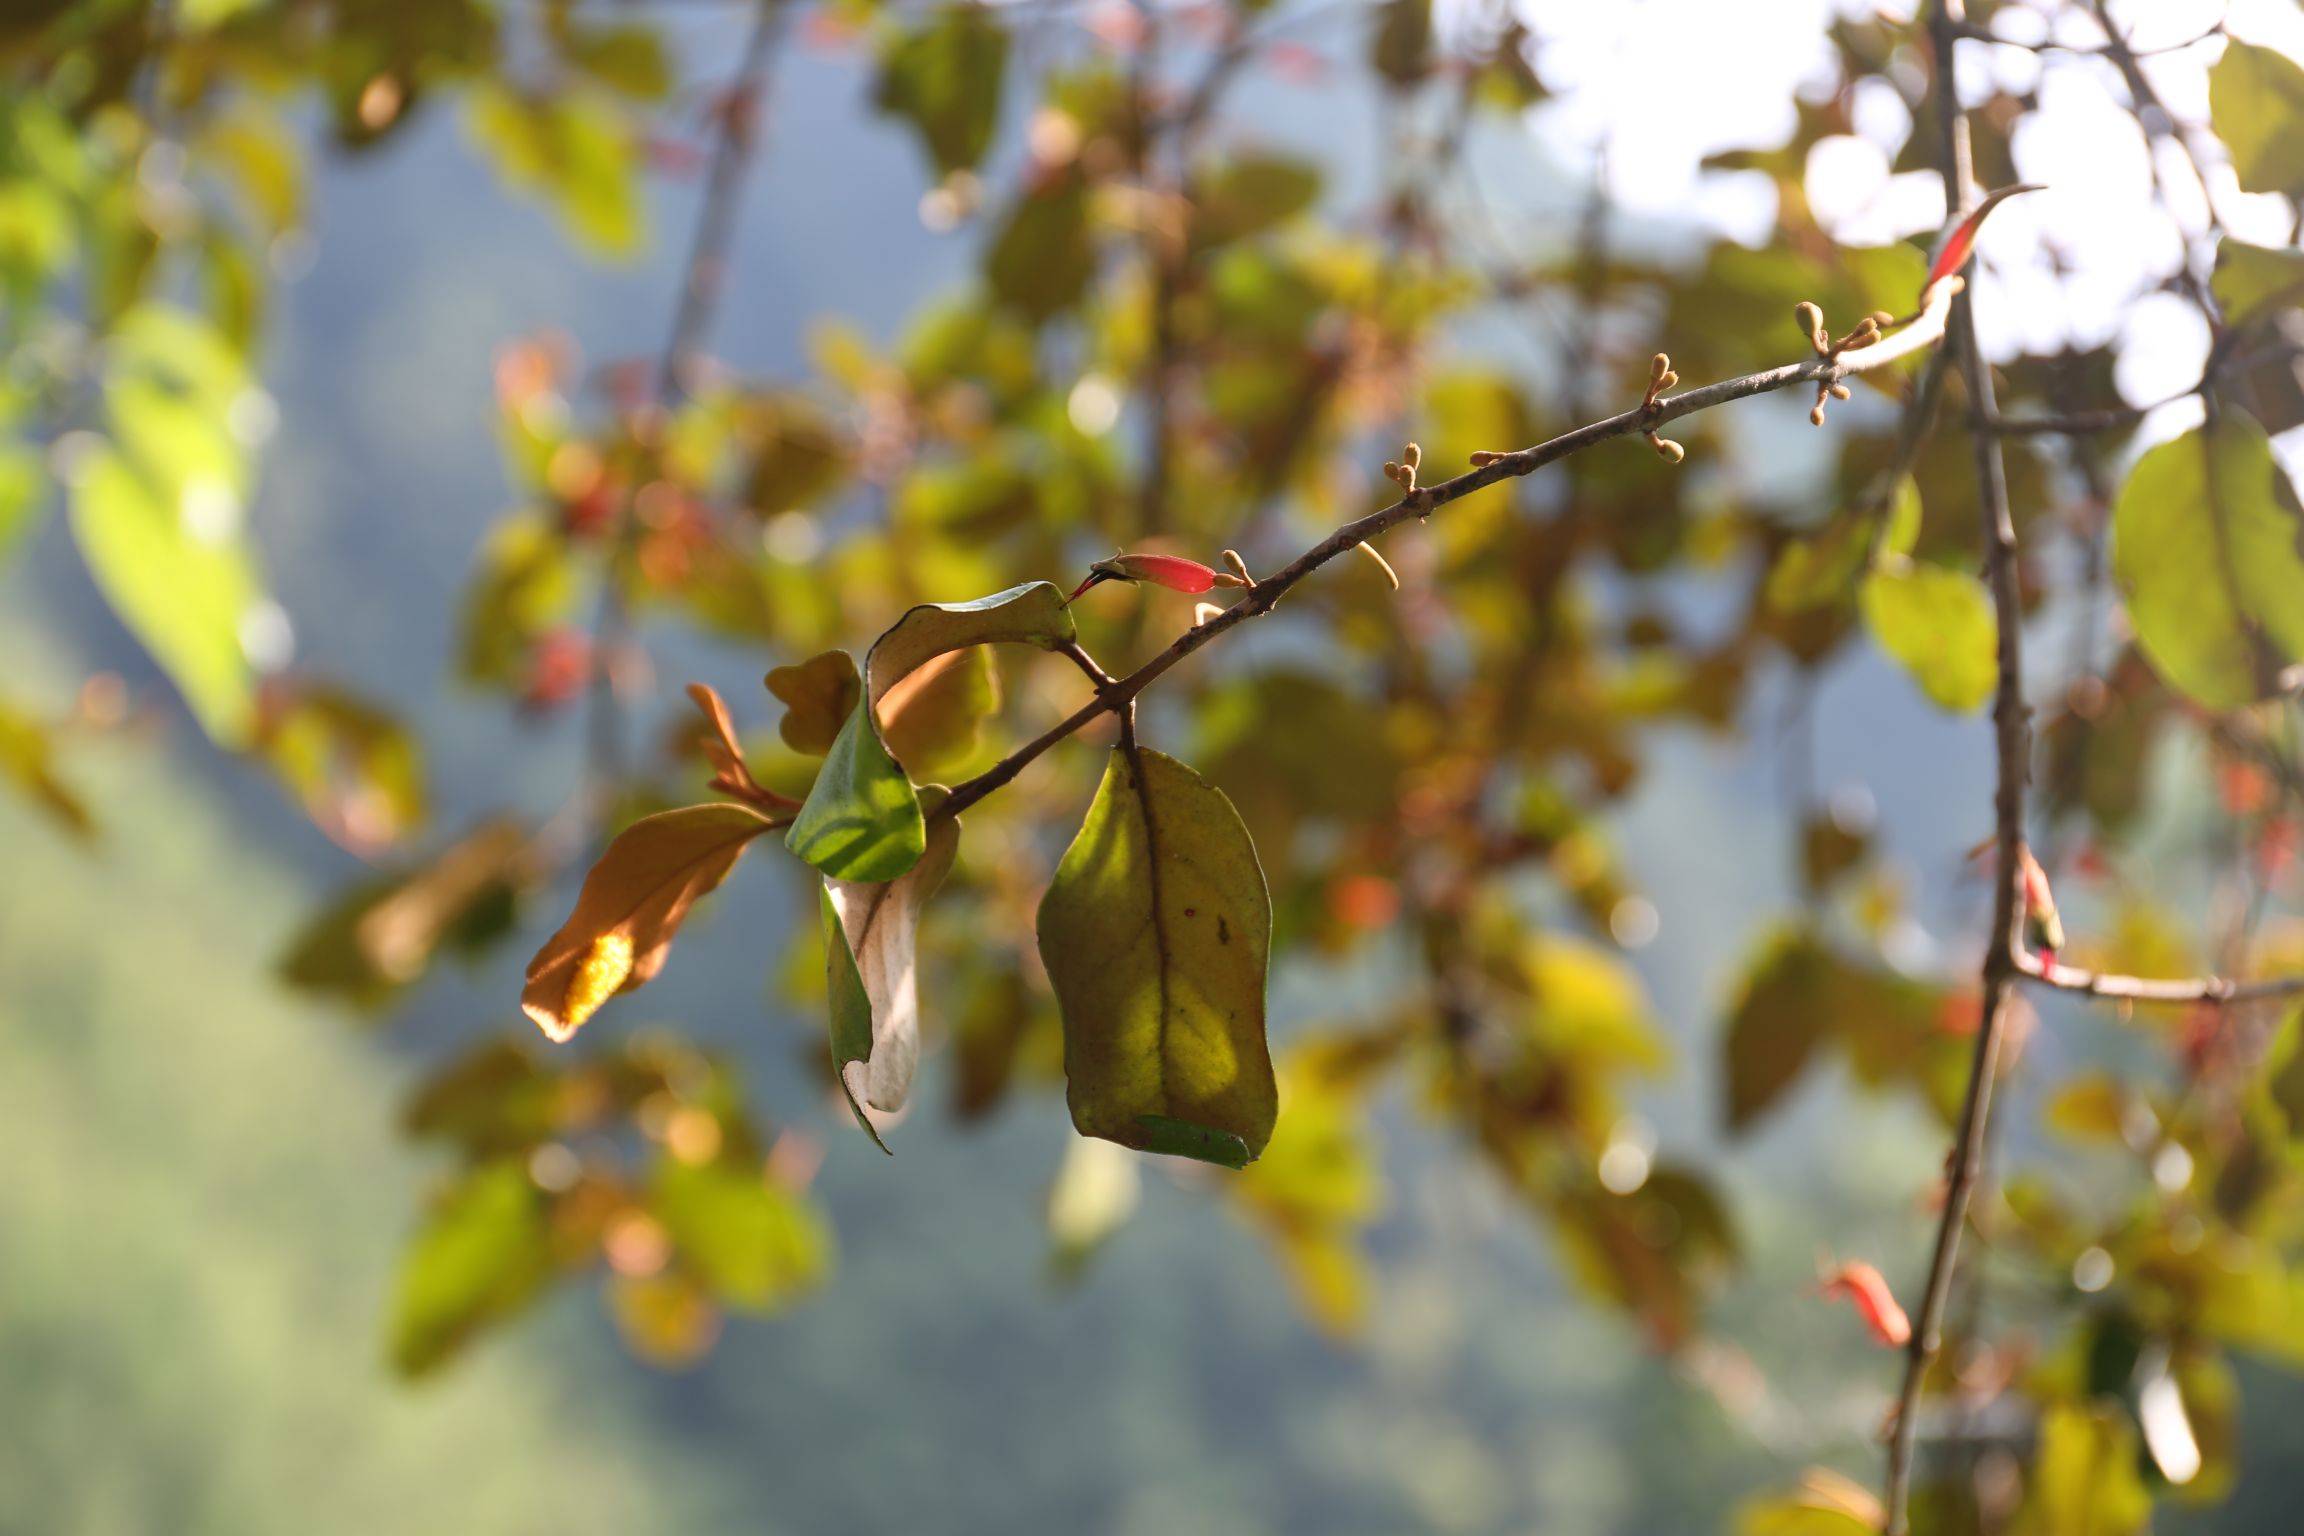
(2012, 739)
(2147, 989)
(1924, 330)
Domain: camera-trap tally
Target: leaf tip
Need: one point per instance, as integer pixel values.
(600, 975)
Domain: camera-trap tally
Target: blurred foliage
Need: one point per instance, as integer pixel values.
(1176, 341)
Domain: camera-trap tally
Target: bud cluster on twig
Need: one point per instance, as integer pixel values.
(1810, 319)
(1660, 378)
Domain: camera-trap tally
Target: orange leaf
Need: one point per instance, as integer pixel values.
(632, 903)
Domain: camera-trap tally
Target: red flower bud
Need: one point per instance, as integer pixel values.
(1962, 240)
(2043, 929)
(1174, 572)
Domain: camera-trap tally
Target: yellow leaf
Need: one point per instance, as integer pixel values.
(1155, 933)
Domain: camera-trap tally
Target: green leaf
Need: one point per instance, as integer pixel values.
(1155, 933)
(1778, 1020)
(1800, 994)
(1801, 1515)
(2084, 1481)
(1401, 46)
(1042, 260)
(1939, 624)
(574, 150)
(184, 586)
(524, 587)
(22, 482)
(1249, 194)
(2256, 104)
(2282, 1074)
(862, 820)
(483, 1255)
(944, 77)
(2250, 279)
(1820, 569)
(2204, 545)
(1318, 1185)
(158, 514)
(871, 936)
(752, 1241)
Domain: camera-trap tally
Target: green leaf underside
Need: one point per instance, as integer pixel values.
(1156, 933)
(870, 954)
(2205, 549)
(2253, 279)
(2256, 103)
(862, 821)
(1938, 623)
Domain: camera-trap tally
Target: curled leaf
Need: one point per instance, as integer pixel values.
(931, 720)
(818, 694)
(631, 906)
(862, 820)
(871, 960)
(729, 770)
(1156, 932)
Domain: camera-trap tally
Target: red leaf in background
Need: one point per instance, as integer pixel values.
(1873, 1301)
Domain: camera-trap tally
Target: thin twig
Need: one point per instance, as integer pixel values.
(2012, 737)
(2112, 50)
(1925, 329)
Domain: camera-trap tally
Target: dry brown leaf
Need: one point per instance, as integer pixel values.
(632, 903)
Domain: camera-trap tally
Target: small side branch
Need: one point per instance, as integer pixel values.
(2148, 989)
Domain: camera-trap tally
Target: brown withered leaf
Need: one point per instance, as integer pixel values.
(730, 773)
(819, 694)
(632, 903)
